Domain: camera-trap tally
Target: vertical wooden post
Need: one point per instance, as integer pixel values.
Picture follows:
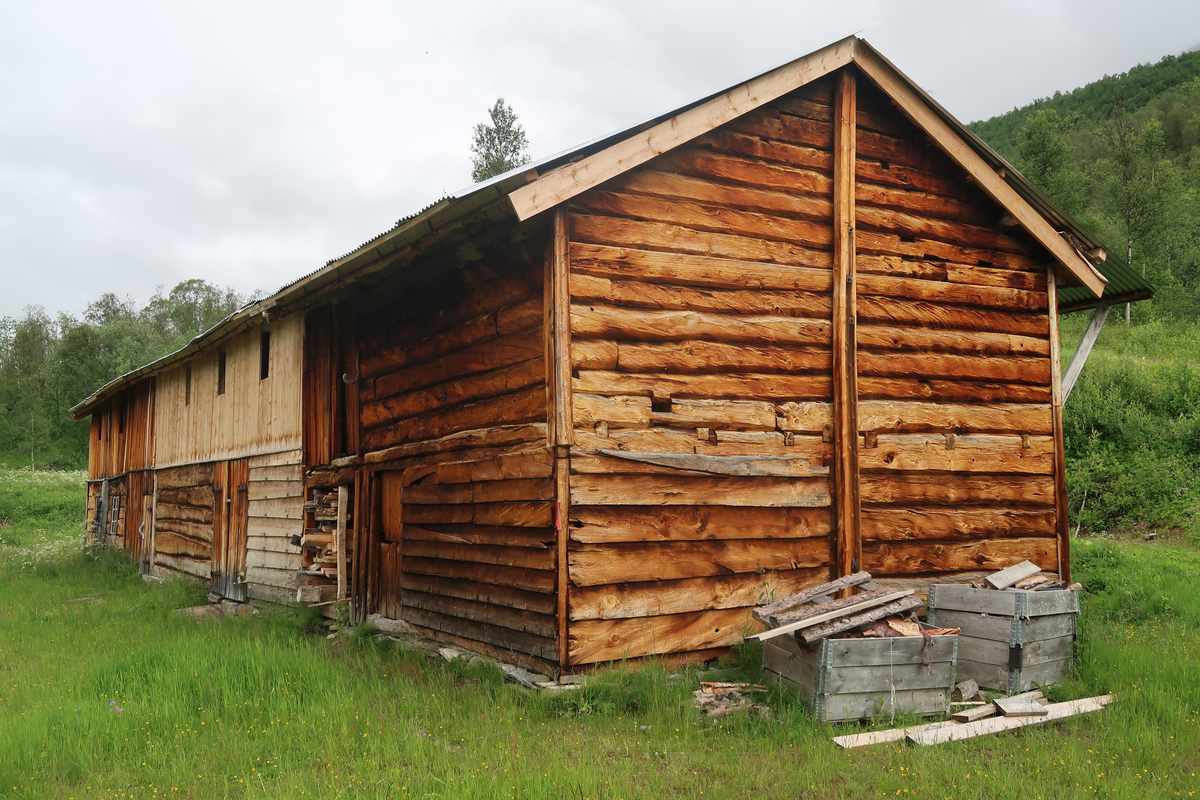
(340, 539)
(848, 557)
(561, 423)
(1060, 459)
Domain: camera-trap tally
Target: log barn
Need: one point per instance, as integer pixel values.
(600, 406)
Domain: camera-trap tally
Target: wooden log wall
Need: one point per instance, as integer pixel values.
(701, 289)
(954, 371)
(183, 520)
(122, 432)
(452, 391)
(276, 513)
(252, 417)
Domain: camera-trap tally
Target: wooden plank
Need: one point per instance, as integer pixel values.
(281, 472)
(561, 323)
(973, 714)
(460, 533)
(852, 741)
(901, 524)
(481, 357)
(1011, 707)
(482, 611)
(840, 613)
(497, 635)
(909, 417)
(706, 356)
(879, 337)
(529, 580)
(800, 612)
(1032, 455)
(651, 325)
(950, 391)
(656, 598)
(843, 623)
(273, 559)
(891, 650)
(695, 269)
(763, 613)
(612, 563)
(876, 704)
(907, 288)
(282, 458)
(601, 524)
(915, 558)
(572, 179)
(616, 639)
(697, 491)
(885, 310)
(713, 386)
(278, 508)
(616, 412)
(925, 118)
(749, 466)
(267, 490)
(915, 489)
(490, 436)
(1054, 713)
(988, 601)
(343, 495)
(903, 678)
(1010, 575)
(954, 366)
(536, 602)
(525, 514)
(525, 557)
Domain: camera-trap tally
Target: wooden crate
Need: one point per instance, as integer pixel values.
(846, 679)
(1011, 640)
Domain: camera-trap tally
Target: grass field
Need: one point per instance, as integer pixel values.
(105, 693)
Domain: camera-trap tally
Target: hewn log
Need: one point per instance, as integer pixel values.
(475, 387)
(916, 558)
(613, 640)
(719, 386)
(732, 157)
(491, 354)
(724, 414)
(653, 325)
(991, 297)
(898, 311)
(700, 356)
(454, 443)
(804, 417)
(497, 635)
(696, 491)
(914, 417)
(923, 249)
(521, 514)
(617, 412)
(910, 489)
(970, 523)
(950, 365)
(1032, 455)
(593, 355)
(530, 580)
(635, 463)
(497, 535)
(918, 202)
(537, 602)
(526, 557)
(198, 496)
(525, 405)
(950, 391)
(655, 598)
(184, 477)
(659, 235)
(878, 337)
(603, 524)
(705, 202)
(609, 563)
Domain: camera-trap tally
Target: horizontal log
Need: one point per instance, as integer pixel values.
(728, 443)
(694, 269)
(451, 445)
(922, 249)
(786, 304)
(196, 496)
(199, 514)
(483, 611)
(1028, 369)
(524, 463)
(902, 524)
(439, 493)
(175, 545)
(599, 355)
(732, 157)
(906, 311)
(915, 558)
(698, 491)
(488, 355)
(889, 220)
(949, 391)
(612, 640)
(723, 414)
(530, 580)
(616, 412)
(712, 201)
(906, 151)
(747, 466)
(537, 602)
(656, 598)
(525, 557)
(882, 172)
(1032, 455)
(201, 569)
(804, 417)
(867, 194)
(404, 354)
(525, 405)
(700, 356)
(878, 337)
(983, 276)
(197, 531)
(914, 417)
(501, 381)
(184, 477)
(604, 524)
(503, 536)
(653, 325)
(771, 124)
(714, 386)
(497, 635)
(611, 562)
(450, 513)
(523, 515)
(518, 489)
(620, 232)
(917, 489)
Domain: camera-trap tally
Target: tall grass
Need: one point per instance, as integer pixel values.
(105, 693)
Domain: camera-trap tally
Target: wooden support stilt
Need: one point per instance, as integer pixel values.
(1060, 459)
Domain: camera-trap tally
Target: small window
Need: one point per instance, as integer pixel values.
(187, 385)
(221, 372)
(264, 355)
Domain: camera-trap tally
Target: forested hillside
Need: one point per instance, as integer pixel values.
(48, 364)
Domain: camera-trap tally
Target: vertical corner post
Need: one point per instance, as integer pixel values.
(561, 423)
(848, 551)
(1061, 522)
(340, 540)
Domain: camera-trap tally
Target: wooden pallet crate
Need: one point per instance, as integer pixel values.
(1011, 640)
(850, 679)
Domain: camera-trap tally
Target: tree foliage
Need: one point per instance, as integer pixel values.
(49, 364)
(500, 146)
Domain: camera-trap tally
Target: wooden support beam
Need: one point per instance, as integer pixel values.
(1060, 457)
(1075, 368)
(845, 383)
(343, 498)
(560, 357)
(562, 507)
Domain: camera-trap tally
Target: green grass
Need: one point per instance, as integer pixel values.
(105, 693)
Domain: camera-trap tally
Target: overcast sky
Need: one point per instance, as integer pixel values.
(247, 143)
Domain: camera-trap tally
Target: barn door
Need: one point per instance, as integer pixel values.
(389, 534)
(230, 521)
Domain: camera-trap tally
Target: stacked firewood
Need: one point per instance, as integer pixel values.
(1024, 576)
(317, 582)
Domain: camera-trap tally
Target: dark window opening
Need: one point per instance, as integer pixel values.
(221, 372)
(264, 355)
(187, 385)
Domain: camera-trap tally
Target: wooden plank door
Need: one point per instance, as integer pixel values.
(389, 533)
(230, 522)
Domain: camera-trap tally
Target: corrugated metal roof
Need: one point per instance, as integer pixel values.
(1123, 283)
